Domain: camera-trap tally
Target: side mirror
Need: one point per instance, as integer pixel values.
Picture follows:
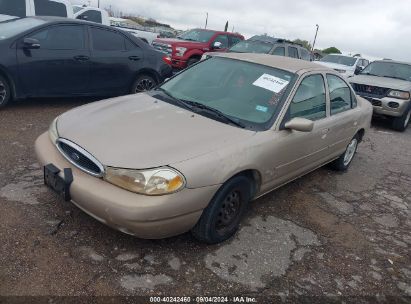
(30, 43)
(217, 45)
(300, 124)
(358, 70)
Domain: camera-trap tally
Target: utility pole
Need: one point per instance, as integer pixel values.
(98, 4)
(206, 21)
(315, 38)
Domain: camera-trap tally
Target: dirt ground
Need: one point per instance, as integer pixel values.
(327, 235)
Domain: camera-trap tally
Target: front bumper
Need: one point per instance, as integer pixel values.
(382, 105)
(148, 217)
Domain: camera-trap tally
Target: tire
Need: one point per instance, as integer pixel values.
(221, 219)
(192, 61)
(344, 161)
(5, 92)
(401, 123)
(143, 83)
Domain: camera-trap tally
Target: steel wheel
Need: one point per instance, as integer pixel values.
(229, 211)
(350, 152)
(3, 92)
(144, 84)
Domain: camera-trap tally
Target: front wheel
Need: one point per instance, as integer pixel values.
(344, 161)
(221, 219)
(5, 92)
(143, 83)
(401, 123)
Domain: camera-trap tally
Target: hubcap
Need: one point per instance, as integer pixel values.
(2, 92)
(349, 153)
(228, 212)
(407, 119)
(144, 85)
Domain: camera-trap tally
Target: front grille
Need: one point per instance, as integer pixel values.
(372, 91)
(165, 48)
(79, 157)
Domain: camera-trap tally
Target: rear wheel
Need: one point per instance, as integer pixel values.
(344, 161)
(143, 83)
(5, 92)
(401, 123)
(221, 219)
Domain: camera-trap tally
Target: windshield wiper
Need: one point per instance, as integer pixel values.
(179, 101)
(370, 74)
(214, 111)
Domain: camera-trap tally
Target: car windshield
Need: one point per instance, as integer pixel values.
(389, 69)
(252, 47)
(13, 8)
(13, 27)
(245, 92)
(344, 60)
(197, 35)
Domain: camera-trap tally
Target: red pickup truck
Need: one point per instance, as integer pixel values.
(188, 48)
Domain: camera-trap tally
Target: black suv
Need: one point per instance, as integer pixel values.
(268, 45)
(60, 57)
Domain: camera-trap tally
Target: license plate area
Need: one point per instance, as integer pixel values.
(60, 185)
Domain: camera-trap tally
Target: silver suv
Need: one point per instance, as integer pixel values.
(387, 85)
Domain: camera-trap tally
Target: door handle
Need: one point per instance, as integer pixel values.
(134, 58)
(81, 58)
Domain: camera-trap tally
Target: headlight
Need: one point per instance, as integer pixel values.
(399, 94)
(148, 182)
(180, 51)
(53, 132)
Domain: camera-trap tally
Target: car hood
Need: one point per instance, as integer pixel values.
(183, 43)
(335, 65)
(383, 82)
(140, 132)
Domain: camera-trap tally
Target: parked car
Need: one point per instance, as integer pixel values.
(387, 85)
(10, 9)
(189, 47)
(346, 65)
(144, 35)
(204, 144)
(268, 45)
(50, 57)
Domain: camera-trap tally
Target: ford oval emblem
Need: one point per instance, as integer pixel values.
(75, 156)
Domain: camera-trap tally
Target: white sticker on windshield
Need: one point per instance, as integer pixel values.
(271, 83)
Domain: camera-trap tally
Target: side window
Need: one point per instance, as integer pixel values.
(305, 55)
(91, 15)
(62, 37)
(223, 39)
(340, 94)
(309, 101)
(279, 51)
(104, 40)
(50, 8)
(13, 8)
(234, 40)
(292, 52)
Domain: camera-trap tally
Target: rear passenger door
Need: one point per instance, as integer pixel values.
(279, 51)
(114, 61)
(344, 113)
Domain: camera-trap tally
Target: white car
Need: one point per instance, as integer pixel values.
(10, 9)
(346, 65)
(92, 14)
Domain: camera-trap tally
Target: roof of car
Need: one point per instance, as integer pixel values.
(280, 62)
(393, 61)
(272, 40)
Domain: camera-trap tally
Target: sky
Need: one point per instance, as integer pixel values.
(373, 28)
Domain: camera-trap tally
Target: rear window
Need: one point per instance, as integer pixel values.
(14, 27)
(292, 52)
(50, 8)
(13, 8)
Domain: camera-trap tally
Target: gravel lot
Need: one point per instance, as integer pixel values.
(326, 234)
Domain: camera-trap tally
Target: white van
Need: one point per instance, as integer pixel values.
(24, 8)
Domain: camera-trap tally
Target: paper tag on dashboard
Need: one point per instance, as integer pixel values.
(271, 83)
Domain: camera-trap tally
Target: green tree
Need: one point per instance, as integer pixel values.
(331, 50)
(304, 43)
